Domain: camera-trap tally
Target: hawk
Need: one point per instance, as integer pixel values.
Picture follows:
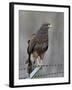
(37, 46)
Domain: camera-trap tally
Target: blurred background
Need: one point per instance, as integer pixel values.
(29, 23)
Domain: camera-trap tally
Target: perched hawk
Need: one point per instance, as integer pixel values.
(37, 46)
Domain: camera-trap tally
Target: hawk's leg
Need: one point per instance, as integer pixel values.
(32, 59)
(34, 56)
(39, 61)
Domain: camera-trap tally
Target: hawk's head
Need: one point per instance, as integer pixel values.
(48, 25)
